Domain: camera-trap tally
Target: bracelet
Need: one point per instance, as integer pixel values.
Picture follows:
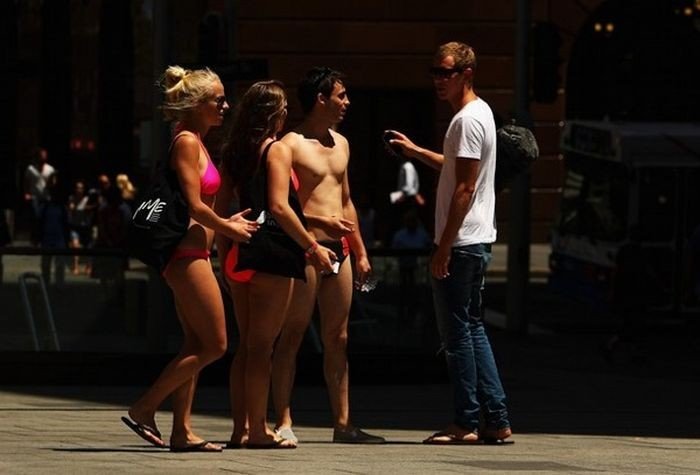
(311, 250)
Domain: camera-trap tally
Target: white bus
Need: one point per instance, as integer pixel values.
(635, 187)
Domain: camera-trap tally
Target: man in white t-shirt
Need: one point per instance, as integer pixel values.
(464, 230)
(36, 192)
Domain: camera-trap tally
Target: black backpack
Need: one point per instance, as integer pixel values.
(516, 149)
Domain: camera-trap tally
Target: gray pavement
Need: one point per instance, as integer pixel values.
(571, 413)
(77, 430)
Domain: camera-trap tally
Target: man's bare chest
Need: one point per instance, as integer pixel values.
(321, 162)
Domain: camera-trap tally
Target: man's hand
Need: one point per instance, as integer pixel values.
(336, 227)
(401, 141)
(440, 262)
(363, 269)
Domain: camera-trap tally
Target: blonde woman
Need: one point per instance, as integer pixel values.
(195, 100)
(257, 168)
(126, 188)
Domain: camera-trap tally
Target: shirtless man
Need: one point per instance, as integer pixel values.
(320, 161)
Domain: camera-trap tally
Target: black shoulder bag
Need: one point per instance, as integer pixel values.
(270, 250)
(516, 149)
(161, 219)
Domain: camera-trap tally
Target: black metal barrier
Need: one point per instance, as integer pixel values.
(120, 306)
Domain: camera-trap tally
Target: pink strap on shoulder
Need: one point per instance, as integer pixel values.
(196, 136)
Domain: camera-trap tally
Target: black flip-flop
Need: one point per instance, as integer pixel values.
(146, 432)
(278, 444)
(203, 446)
(236, 445)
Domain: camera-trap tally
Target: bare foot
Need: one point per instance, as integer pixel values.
(270, 440)
(453, 435)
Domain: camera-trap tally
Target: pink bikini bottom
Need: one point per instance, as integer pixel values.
(185, 253)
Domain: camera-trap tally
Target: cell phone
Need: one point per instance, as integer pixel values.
(335, 266)
(393, 148)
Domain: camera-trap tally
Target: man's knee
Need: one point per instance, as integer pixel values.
(336, 341)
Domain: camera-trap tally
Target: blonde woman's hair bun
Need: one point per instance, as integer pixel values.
(183, 89)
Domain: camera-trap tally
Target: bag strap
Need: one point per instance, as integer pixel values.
(162, 165)
(263, 157)
(262, 172)
(294, 198)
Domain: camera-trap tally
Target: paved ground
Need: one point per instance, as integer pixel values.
(571, 411)
(77, 430)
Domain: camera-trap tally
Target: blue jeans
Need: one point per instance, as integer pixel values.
(475, 381)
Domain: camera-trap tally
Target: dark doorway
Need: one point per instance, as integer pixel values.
(373, 173)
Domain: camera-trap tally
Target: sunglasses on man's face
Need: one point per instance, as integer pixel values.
(438, 72)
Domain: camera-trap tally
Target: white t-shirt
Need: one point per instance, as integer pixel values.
(38, 179)
(409, 182)
(470, 136)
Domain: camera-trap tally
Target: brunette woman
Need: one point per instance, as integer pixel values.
(257, 170)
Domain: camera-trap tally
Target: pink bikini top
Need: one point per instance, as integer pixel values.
(295, 180)
(210, 182)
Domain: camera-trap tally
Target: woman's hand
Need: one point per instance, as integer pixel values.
(241, 229)
(322, 259)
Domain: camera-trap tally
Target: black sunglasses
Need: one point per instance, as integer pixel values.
(444, 73)
(220, 101)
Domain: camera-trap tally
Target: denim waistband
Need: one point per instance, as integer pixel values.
(484, 246)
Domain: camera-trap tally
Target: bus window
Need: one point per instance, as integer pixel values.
(594, 201)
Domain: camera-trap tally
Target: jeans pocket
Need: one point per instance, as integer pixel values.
(470, 260)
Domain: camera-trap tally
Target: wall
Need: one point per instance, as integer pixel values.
(389, 44)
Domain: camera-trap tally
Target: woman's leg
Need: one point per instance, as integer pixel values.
(199, 302)
(240, 296)
(181, 399)
(284, 359)
(269, 301)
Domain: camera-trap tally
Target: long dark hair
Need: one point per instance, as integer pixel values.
(257, 117)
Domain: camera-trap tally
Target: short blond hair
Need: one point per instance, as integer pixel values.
(185, 89)
(462, 53)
